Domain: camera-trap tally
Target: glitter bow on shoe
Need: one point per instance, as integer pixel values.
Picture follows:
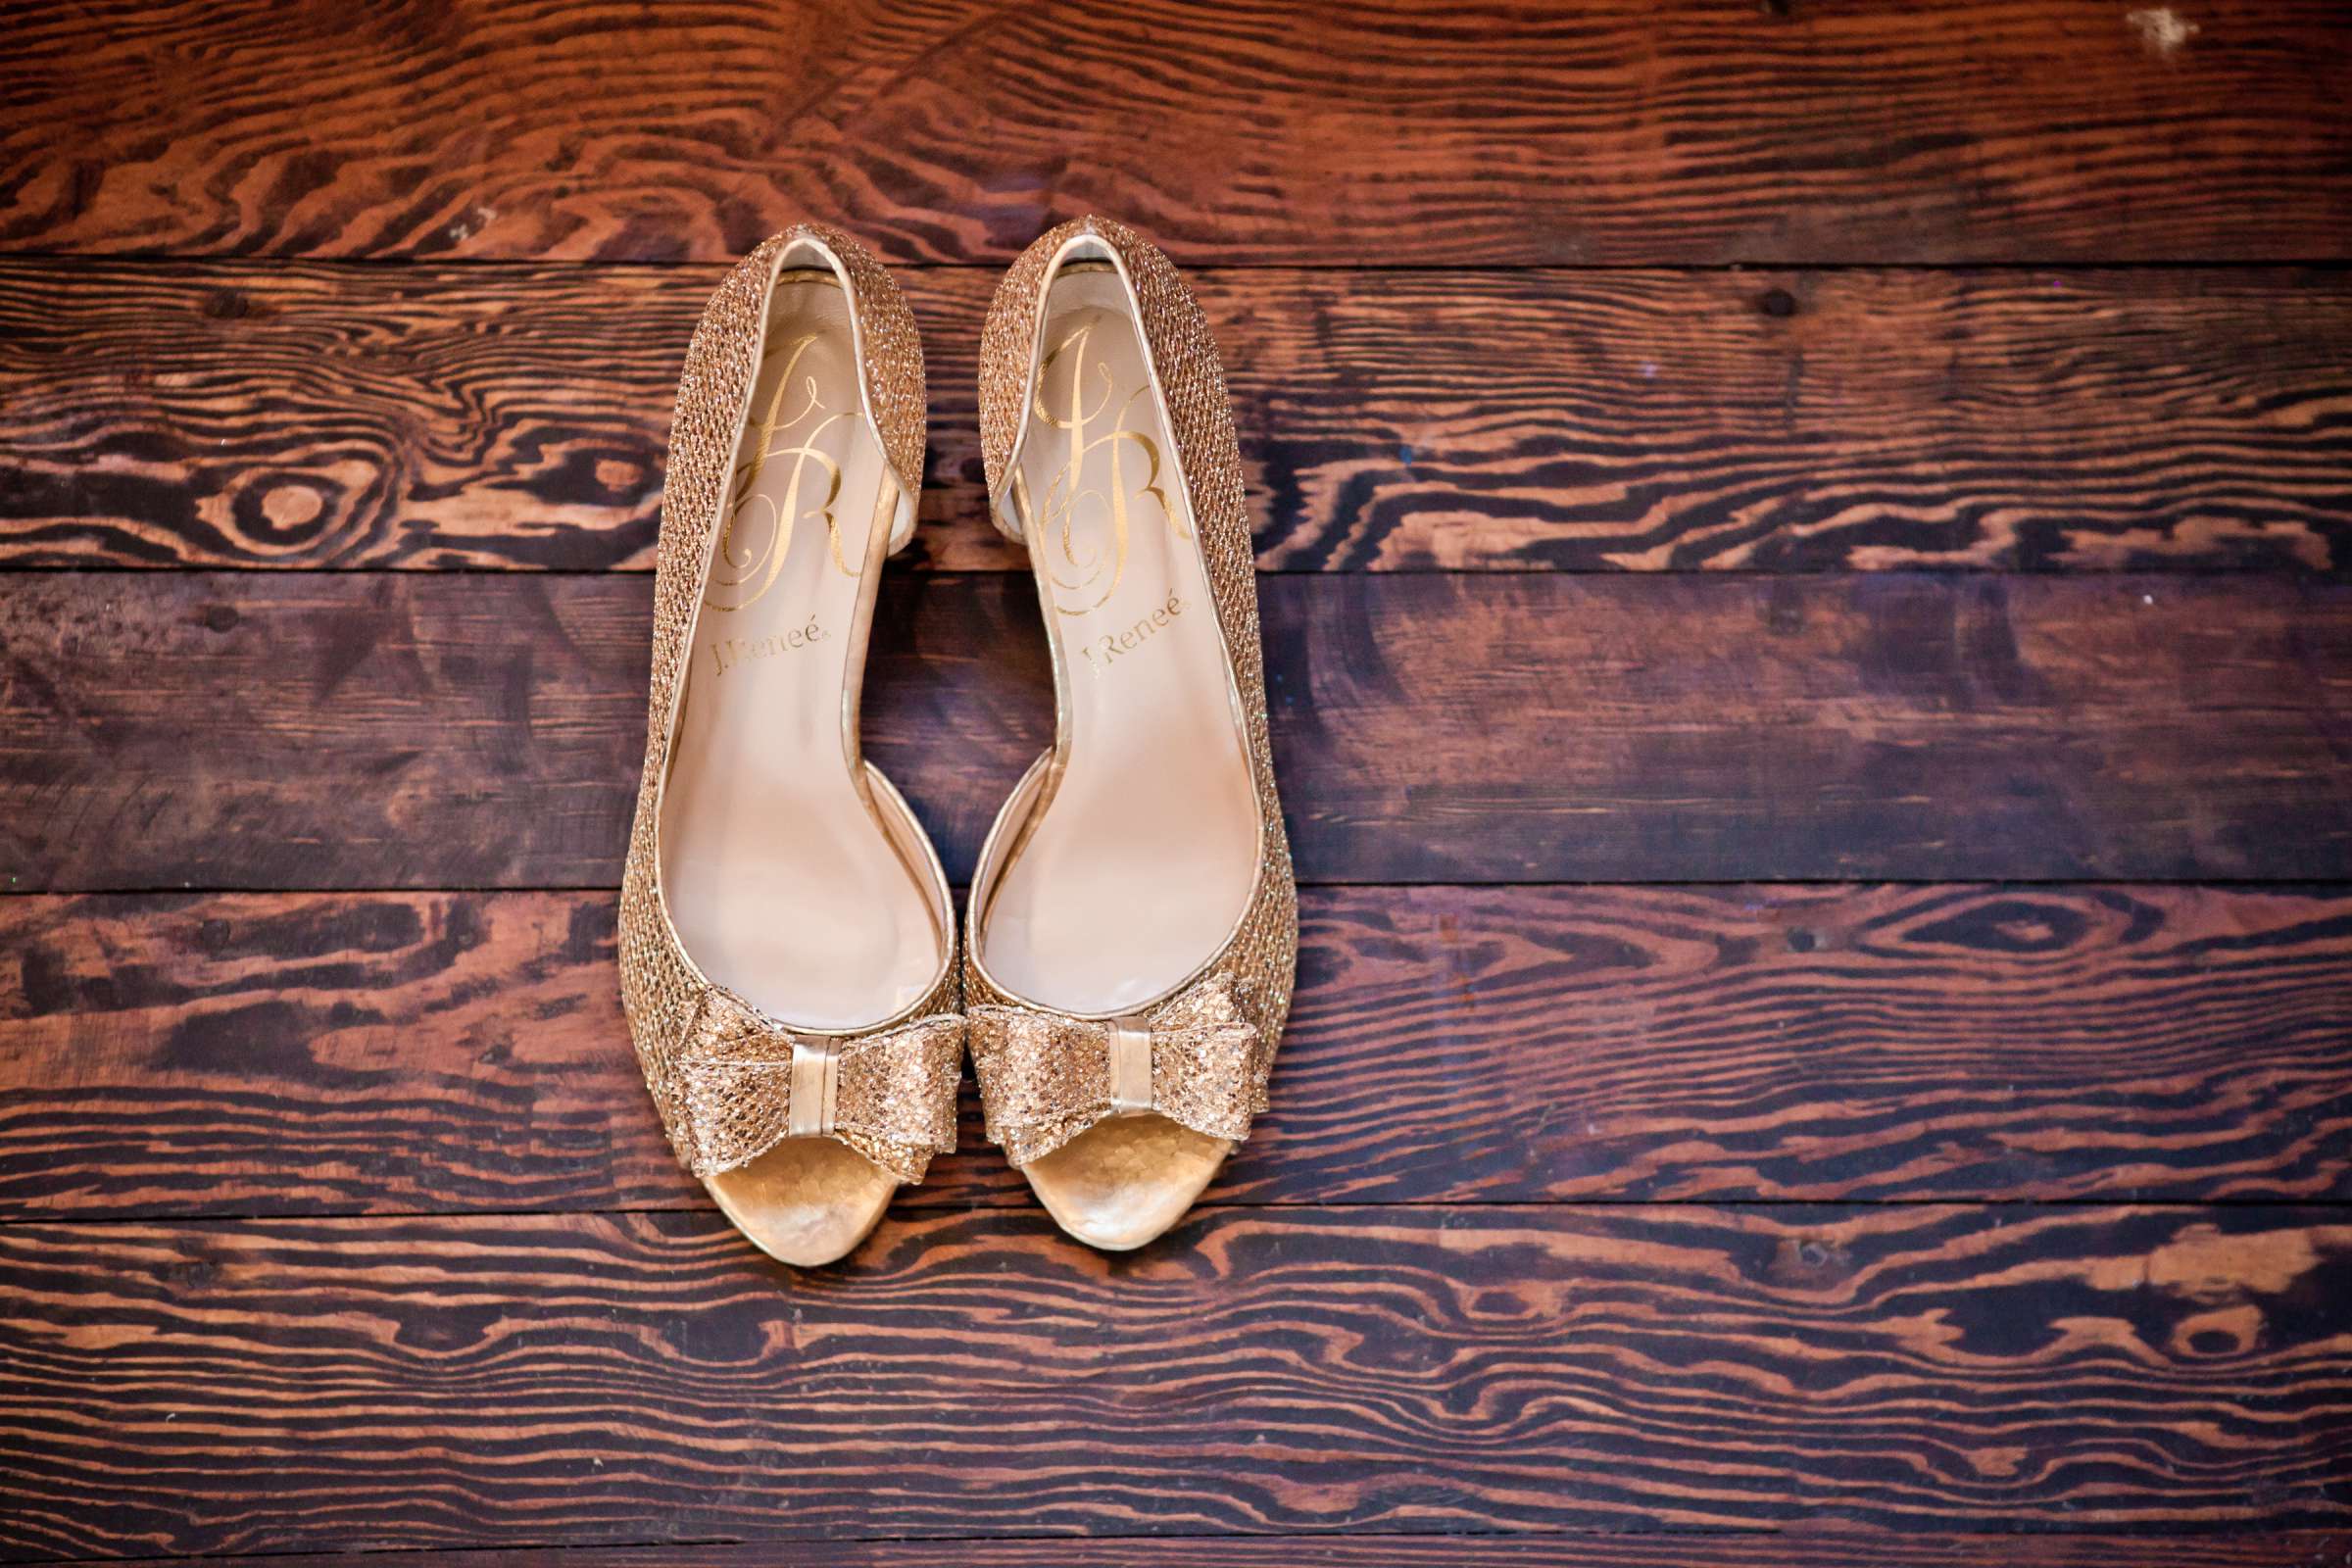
(745, 1083)
(1046, 1077)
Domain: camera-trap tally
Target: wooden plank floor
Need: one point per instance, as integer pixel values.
(1807, 563)
(305, 415)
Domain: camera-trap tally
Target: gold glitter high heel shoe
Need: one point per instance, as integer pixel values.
(786, 941)
(1134, 926)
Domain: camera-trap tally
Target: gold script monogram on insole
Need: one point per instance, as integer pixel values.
(758, 534)
(1085, 581)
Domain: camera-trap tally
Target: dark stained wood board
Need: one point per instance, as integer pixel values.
(296, 1055)
(1796, 1548)
(394, 1383)
(1797, 132)
(263, 414)
(401, 730)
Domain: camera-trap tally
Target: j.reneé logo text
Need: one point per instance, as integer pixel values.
(728, 651)
(1112, 645)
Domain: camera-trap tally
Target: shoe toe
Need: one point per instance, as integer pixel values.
(1123, 1182)
(807, 1202)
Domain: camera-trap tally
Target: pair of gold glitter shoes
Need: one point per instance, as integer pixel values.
(788, 951)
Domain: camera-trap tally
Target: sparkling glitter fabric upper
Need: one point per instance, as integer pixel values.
(685, 1028)
(1053, 1075)
(895, 1100)
(1038, 1085)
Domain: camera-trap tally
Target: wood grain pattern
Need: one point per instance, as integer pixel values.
(307, 1055)
(299, 414)
(401, 730)
(1729, 132)
(2313, 1549)
(280, 414)
(327, 1384)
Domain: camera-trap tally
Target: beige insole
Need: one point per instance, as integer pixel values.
(1138, 864)
(779, 873)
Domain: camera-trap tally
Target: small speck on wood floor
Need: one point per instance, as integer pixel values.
(1806, 574)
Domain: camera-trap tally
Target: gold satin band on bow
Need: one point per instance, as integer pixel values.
(745, 1083)
(1046, 1077)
